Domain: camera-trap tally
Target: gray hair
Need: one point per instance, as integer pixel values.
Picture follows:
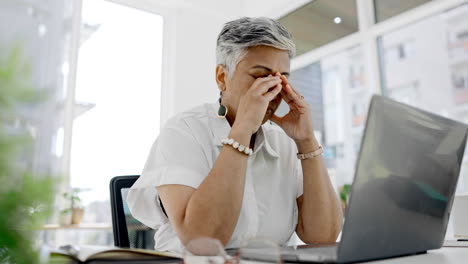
(240, 34)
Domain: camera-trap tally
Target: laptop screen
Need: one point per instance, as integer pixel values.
(405, 181)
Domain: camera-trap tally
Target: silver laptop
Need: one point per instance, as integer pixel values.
(403, 189)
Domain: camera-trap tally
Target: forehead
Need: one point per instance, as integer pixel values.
(272, 58)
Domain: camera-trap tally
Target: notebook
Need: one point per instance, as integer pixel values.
(102, 254)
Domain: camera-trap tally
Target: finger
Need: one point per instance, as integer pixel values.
(295, 91)
(260, 80)
(290, 95)
(286, 96)
(286, 82)
(284, 79)
(295, 95)
(264, 85)
(276, 119)
(273, 93)
(294, 101)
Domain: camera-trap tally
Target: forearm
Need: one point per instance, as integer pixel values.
(214, 208)
(320, 213)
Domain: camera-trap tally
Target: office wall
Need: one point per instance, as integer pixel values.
(271, 8)
(193, 58)
(193, 61)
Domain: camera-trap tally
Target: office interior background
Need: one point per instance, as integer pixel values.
(116, 70)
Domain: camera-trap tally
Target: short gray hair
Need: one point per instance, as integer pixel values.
(240, 34)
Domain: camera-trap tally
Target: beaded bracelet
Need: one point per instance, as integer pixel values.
(236, 145)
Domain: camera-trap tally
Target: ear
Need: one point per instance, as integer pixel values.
(221, 75)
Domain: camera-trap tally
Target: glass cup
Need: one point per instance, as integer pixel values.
(204, 251)
(259, 250)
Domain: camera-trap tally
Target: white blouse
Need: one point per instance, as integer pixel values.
(185, 152)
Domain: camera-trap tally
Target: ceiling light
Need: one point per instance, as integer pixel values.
(337, 20)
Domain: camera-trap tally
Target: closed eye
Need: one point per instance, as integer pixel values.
(259, 76)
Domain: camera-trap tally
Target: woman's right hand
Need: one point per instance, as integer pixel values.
(254, 103)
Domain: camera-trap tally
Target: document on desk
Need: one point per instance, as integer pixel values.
(456, 243)
(95, 254)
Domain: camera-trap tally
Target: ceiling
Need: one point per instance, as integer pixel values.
(385, 9)
(313, 24)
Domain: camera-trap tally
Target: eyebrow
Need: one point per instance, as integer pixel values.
(268, 69)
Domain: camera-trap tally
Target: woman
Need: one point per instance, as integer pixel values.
(223, 171)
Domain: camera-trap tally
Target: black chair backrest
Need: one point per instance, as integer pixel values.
(128, 232)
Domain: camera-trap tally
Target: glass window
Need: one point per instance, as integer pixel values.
(117, 97)
(336, 90)
(320, 22)
(385, 9)
(426, 65)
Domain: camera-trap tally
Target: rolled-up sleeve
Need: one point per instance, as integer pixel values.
(175, 158)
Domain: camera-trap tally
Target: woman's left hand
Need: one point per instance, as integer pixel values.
(297, 123)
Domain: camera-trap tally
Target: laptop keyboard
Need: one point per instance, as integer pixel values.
(325, 251)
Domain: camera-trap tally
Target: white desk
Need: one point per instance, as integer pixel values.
(445, 255)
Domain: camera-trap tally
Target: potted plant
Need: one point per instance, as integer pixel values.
(74, 213)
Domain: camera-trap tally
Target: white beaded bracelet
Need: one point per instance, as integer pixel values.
(241, 148)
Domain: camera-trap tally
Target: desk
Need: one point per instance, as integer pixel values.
(445, 255)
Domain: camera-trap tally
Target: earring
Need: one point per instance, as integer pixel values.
(222, 110)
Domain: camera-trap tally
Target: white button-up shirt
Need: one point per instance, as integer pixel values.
(185, 152)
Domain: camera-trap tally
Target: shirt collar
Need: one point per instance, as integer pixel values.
(221, 128)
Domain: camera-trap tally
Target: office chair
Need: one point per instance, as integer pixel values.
(128, 232)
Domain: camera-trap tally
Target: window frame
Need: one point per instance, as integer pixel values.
(368, 36)
(167, 71)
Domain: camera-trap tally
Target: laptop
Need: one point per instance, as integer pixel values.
(403, 189)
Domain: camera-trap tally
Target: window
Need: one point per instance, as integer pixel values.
(336, 89)
(433, 72)
(117, 98)
(320, 22)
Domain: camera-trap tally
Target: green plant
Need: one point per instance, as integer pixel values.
(344, 193)
(25, 198)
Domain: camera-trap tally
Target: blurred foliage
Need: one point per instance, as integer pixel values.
(344, 193)
(25, 198)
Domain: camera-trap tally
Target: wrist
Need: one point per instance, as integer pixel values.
(240, 134)
(244, 126)
(306, 146)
